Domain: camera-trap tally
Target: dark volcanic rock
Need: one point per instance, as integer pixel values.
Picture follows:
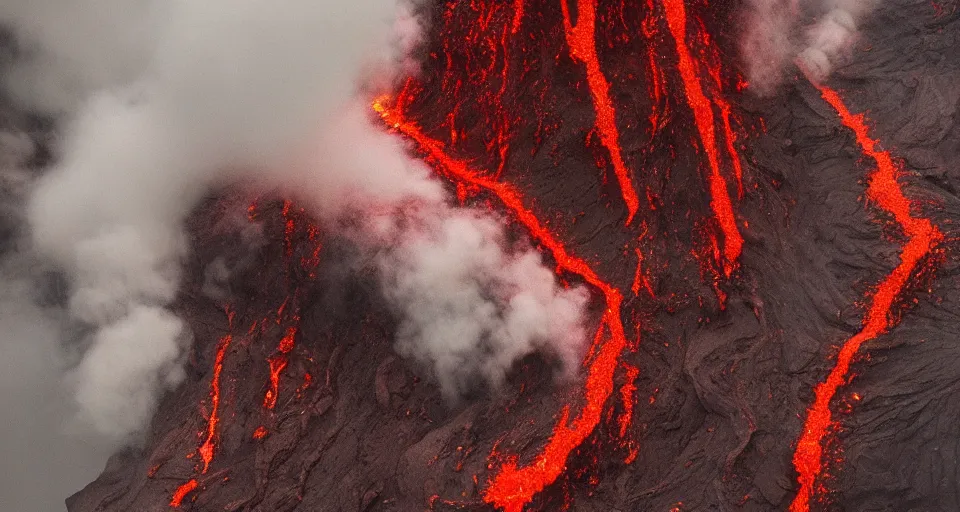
(722, 393)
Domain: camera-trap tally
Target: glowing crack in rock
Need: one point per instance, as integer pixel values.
(626, 395)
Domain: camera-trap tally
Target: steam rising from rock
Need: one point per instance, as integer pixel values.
(778, 34)
(205, 94)
(472, 306)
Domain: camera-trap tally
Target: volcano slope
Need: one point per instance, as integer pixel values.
(620, 138)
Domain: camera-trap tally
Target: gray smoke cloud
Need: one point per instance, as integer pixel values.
(45, 455)
(68, 49)
(45, 458)
(208, 94)
(816, 35)
(232, 90)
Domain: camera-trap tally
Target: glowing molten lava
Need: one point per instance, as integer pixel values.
(583, 47)
(730, 138)
(514, 486)
(703, 117)
(280, 359)
(182, 492)
(209, 444)
(277, 364)
(626, 394)
(206, 450)
(922, 237)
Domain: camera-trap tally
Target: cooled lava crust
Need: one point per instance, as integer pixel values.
(621, 153)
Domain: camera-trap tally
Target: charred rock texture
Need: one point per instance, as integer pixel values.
(726, 363)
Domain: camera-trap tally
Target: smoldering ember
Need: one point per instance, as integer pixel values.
(452, 255)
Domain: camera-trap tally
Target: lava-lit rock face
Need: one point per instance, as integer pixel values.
(635, 158)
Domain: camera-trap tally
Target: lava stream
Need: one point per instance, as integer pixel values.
(731, 141)
(703, 116)
(182, 492)
(206, 450)
(626, 395)
(922, 237)
(583, 47)
(503, 128)
(278, 362)
(514, 486)
(209, 444)
(729, 135)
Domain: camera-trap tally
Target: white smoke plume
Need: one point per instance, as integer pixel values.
(222, 91)
(471, 305)
(779, 33)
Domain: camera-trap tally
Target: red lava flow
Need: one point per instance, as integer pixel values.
(703, 116)
(626, 395)
(514, 486)
(583, 48)
(206, 450)
(278, 362)
(922, 237)
(182, 492)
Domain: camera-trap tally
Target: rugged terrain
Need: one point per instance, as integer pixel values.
(698, 385)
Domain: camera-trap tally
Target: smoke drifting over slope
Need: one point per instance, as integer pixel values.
(816, 35)
(262, 94)
(472, 307)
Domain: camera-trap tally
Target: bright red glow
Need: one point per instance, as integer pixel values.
(278, 362)
(639, 278)
(307, 380)
(626, 395)
(922, 236)
(703, 116)
(208, 447)
(484, 59)
(583, 48)
(311, 263)
(182, 492)
(502, 139)
(731, 141)
(289, 309)
(730, 136)
(517, 17)
(209, 444)
(514, 486)
(657, 82)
